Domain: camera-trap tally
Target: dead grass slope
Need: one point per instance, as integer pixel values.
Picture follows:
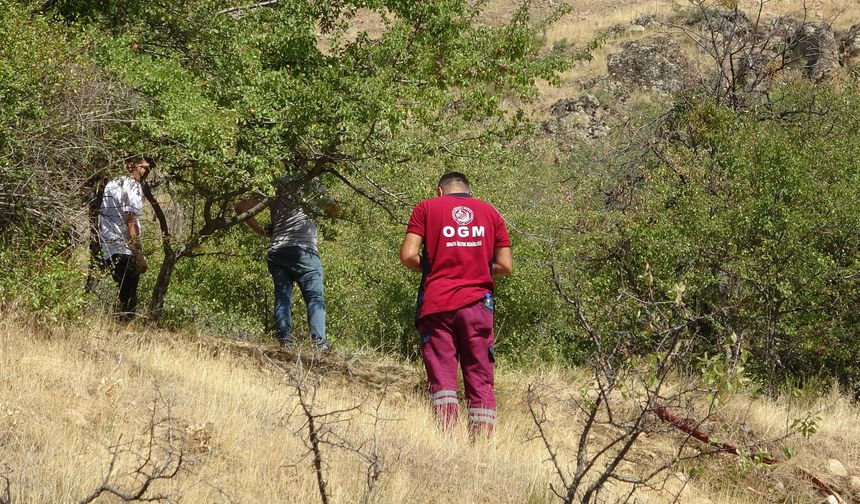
(67, 395)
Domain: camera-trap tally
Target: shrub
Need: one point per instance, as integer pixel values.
(750, 218)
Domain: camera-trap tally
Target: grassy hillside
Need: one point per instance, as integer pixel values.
(69, 396)
(91, 411)
(591, 17)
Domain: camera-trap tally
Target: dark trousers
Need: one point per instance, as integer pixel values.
(126, 278)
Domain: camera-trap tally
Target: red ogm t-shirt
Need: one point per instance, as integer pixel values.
(460, 236)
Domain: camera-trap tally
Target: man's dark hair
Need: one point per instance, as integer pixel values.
(452, 178)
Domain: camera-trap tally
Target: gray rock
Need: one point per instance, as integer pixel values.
(850, 47)
(646, 20)
(729, 24)
(582, 117)
(780, 33)
(618, 90)
(816, 43)
(654, 63)
(616, 30)
(757, 69)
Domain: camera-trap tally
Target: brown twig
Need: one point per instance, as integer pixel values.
(150, 468)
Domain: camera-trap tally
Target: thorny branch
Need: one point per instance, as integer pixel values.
(317, 430)
(157, 463)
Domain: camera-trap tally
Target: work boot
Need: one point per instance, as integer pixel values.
(321, 346)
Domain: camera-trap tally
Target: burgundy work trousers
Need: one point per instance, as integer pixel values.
(463, 336)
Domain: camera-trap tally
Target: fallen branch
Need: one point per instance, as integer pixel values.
(664, 414)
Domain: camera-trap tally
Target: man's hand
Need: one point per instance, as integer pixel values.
(139, 262)
(247, 204)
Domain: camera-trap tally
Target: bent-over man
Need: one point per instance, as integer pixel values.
(293, 256)
(465, 245)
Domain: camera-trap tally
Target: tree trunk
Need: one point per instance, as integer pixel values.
(159, 292)
(165, 273)
(211, 226)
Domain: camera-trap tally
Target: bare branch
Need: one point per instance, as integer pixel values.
(157, 463)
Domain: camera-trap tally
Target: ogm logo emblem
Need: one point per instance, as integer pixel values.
(462, 215)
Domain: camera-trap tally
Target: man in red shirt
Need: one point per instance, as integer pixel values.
(466, 245)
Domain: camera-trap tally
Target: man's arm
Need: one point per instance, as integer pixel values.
(503, 262)
(410, 252)
(244, 206)
(130, 219)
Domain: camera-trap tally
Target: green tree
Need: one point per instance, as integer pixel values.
(237, 96)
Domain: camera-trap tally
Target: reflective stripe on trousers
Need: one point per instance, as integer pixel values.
(459, 338)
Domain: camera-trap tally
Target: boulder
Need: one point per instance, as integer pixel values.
(734, 24)
(816, 43)
(756, 70)
(654, 63)
(582, 117)
(780, 33)
(850, 47)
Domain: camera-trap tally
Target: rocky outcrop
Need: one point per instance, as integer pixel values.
(850, 47)
(779, 33)
(816, 43)
(729, 24)
(582, 117)
(655, 64)
(757, 70)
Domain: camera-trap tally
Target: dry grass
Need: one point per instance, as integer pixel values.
(68, 394)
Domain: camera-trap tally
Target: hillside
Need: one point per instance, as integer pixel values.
(619, 20)
(712, 247)
(69, 396)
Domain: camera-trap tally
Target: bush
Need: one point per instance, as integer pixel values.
(41, 277)
(751, 219)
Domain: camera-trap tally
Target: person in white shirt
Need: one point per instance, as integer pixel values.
(119, 230)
